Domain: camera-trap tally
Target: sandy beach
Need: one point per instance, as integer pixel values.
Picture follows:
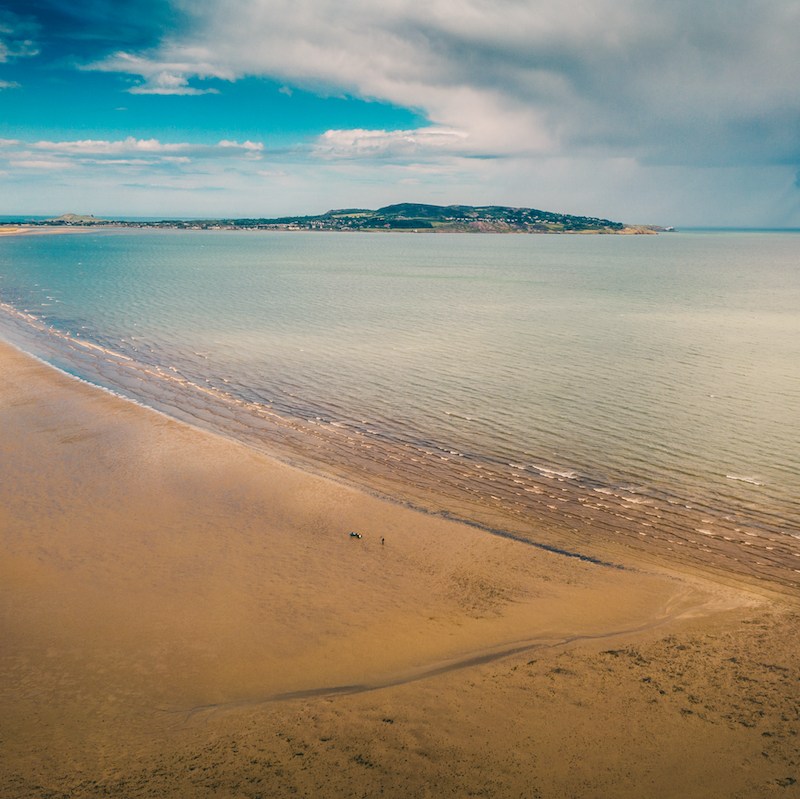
(182, 616)
(28, 230)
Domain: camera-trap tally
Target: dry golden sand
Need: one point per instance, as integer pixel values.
(183, 617)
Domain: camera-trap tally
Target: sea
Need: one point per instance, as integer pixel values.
(584, 393)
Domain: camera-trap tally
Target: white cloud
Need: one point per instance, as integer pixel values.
(93, 156)
(153, 147)
(394, 144)
(170, 84)
(660, 82)
(162, 77)
(8, 84)
(248, 146)
(102, 147)
(40, 163)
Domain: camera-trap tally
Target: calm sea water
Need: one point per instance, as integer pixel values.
(643, 390)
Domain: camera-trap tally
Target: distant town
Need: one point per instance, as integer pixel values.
(409, 217)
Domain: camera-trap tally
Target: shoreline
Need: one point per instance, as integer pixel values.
(305, 445)
(761, 563)
(36, 230)
(151, 568)
(288, 441)
(16, 230)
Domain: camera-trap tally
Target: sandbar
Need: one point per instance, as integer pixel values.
(38, 230)
(183, 616)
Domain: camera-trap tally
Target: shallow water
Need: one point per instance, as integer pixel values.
(568, 388)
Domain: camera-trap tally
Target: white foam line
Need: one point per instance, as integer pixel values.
(749, 480)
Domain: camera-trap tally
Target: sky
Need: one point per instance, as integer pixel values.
(670, 112)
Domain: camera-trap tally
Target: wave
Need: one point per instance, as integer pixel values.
(750, 480)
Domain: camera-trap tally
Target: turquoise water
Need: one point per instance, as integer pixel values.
(638, 389)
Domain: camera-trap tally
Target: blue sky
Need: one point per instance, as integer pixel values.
(650, 112)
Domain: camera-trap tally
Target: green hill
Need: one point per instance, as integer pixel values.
(450, 218)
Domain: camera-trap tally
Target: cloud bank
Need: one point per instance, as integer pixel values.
(129, 152)
(665, 83)
(139, 176)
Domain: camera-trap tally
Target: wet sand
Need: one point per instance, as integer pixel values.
(182, 616)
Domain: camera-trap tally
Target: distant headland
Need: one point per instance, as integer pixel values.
(409, 217)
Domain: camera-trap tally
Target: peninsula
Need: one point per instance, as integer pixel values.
(401, 217)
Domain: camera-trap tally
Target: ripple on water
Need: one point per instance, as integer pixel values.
(570, 386)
